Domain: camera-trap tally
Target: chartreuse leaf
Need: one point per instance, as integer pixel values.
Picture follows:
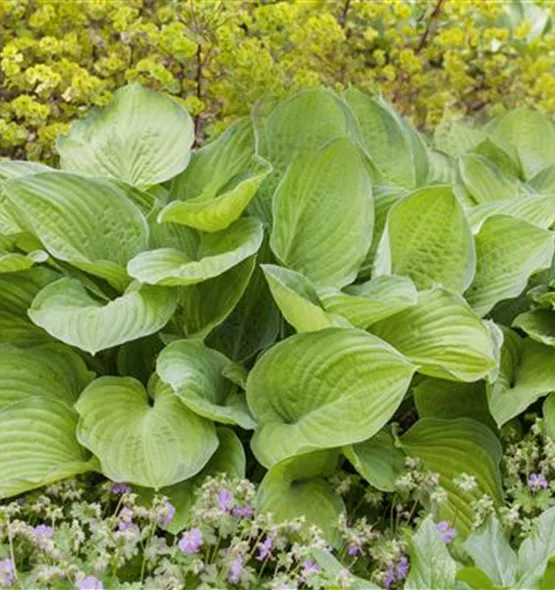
(333, 567)
(455, 137)
(296, 487)
(536, 550)
(492, 553)
(323, 214)
(442, 335)
(544, 181)
(427, 237)
(206, 256)
(297, 299)
(393, 145)
(206, 305)
(527, 372)
(319, 390)
(67, 311)
(486, 182)
(452, 447)
(195, 373)
(17, 292)
(38, 445)
(15, 262)
(367, 303)
(501, 155)
(431, 565)
(531, 133)
(548, 410)
(476, 578)
(298, 126)
(90, 223)
(142, 137)
(378, 460)
(52, 371)
(137, 358)
(502, 269)
(148, 445)
(539, 324)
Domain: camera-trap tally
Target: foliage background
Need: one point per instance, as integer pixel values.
(431, 59)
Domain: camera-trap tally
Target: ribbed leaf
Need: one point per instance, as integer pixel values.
(323, 214)
(539, 324)
(71, 314)
(209, 255)
(319, 390)
(442, 335)
(537, 550)
(16, 262)
(484, 181)
(149, 445)
(142, 137)
(544, 181)
(427, 237)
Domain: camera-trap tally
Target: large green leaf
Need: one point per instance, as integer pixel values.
(208, 255)
(206, 305)
(452, 447)
(137, 358)
(51, 370)
(142, 137)
(392, 144)
(367, 303)
(297, 299)
(492, 553)
(38, 445)
(299, 125)
(15, 261)
(544, 181)
(296, 487)
(333, 567)
(67, 311)
(195, 373)
(539, 324)
(508, 251)
(427, 237)
(90, 223)
(378, 460)
(486, 182)
(431, 564)
(527, 372)
(442, 335)
(319, 390)
(149, 445)
(323, 214)
(457, 136)
(537, 549)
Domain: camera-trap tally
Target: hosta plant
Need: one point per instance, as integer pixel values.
(269, 303)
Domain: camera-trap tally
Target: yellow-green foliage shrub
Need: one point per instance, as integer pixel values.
(60, 58)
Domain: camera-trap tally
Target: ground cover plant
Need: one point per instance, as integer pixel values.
(357, 320)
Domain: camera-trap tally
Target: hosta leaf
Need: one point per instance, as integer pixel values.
(502, 269)
(297, 299)
(323, 214)
(17, 292)
(452, 447)
(364, 304)
(537, 549)
(442, 335)
(431, 563)
(206, 305)
(71, 314)
(548, 410)
(455, 137)
(195, 373)
(137, 358)
(324, 389)
(38, 445)
(296, 487)
(142, 137)
(298, 126)
(333, 567)
(486, 182)
(544, 181)
(527, 372)
(492, 553)
(427, 237)
(79, 220)
(539, 324)
(149, 445)
(503, 156)
(52, 371)
(15, 262)
(393, 145)
(378, 460)
(211, 255)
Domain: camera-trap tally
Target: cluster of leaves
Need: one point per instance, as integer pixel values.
(430, 59)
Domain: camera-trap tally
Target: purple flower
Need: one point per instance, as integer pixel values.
(225, 500)
(265, 549)
(170, 513)
(43, 531)
(89, 583)
(236, 569)
(402, 568)
(128, 526)
(390, 577)
(354, 549)
(309, 569)
(243, 511)
(120, 489)
(537, 482)
(191, 541)
(7, 572)
(446, 531)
